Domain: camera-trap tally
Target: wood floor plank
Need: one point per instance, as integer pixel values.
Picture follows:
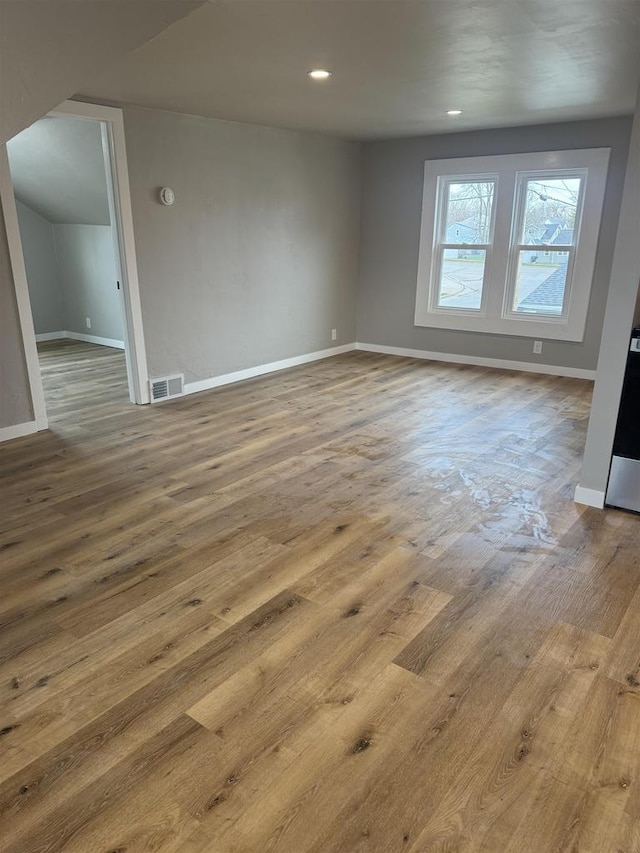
(561, 806)
(68, 766)
(84, 694)
(345, 607)
(482, 809)
(64, 824)
(333, 763)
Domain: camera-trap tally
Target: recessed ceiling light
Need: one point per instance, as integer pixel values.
(454, 112)
(319, 74)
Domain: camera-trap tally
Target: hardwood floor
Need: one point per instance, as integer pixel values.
(347, 607)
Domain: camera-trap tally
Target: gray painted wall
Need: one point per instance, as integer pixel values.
(87, 271)
(257, 259)
(48, 51)
(71, 273)
(621, 306)
(41, 263)
(391, 210)
(15, 396)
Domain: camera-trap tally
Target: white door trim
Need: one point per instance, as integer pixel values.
(8, 202)
(120, 207)
(120, 204)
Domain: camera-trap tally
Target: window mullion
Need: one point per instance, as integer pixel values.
(498, 255)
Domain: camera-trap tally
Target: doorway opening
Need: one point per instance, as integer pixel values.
(65, 195)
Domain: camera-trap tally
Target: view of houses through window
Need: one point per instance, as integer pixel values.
(548, 224)
(467, 236)
(549, 207)
(508, 242)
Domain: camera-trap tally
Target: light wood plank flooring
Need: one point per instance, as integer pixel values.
(347, 607)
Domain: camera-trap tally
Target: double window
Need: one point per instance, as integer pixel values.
(508, 243)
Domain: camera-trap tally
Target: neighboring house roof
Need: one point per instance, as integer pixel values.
(550, 293)
(470, 222)
(550, 232)
(554, 234)
(463, 225)
(564, 237)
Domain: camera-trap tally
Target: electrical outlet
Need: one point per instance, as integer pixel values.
(537, 347)
(334, 334)
(88, 322)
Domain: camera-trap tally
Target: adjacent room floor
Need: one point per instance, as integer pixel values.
(346, 607)
(81, 379)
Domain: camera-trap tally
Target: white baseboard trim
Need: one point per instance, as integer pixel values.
(51, 336)
(503, 364)
(261, 369)
(19, 430)
(589, 497)
(77, 336)
(96, 339)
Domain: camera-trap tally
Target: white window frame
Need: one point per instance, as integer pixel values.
(440, 245)
(520, 201)
(510, 173)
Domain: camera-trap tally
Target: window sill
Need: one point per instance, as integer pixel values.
(557, 330)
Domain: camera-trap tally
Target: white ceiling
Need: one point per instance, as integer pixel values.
(57, 169)
(397, 65)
